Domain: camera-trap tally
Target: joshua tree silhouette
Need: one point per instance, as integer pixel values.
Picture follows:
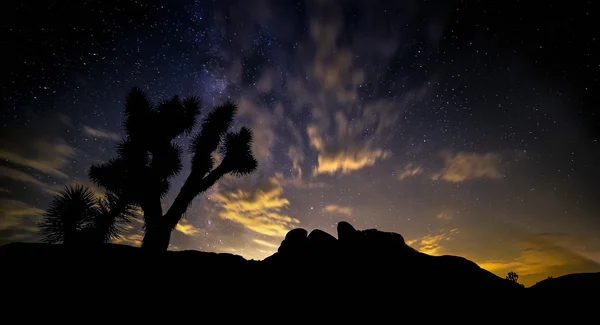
(148, 157)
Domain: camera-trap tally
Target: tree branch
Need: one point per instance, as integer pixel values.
(190, 189)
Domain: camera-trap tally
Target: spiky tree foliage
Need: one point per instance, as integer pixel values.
(76, 216)
(114, 214)
(70, 211)
(149, 157)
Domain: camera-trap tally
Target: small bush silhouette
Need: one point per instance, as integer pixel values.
(70, 211)
(76, 216)
(512, 276)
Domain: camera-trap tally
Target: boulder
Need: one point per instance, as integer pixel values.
(319, 241)
(346, 231)
(294, 241)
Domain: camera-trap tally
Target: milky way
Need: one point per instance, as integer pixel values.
(422, 118)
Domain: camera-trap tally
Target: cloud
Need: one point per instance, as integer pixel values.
(265, 243)
(345, 124)
(348, 160)
(432, 244)
(463, 166)
(544, 255)
(17, 175)
(296, 180)
(265, 83)
(132, 239)
(42, 155)
(99, 133)
(295, 132)
(297, 158)
(332, 66)
(65, 119)
(258, 209)
(133, 235)
(338, 209)
(347, 151)
(410, 170)
(187, 228)
(174, 247)
(19, 216)
(444, 215)
(314, 137)
(261, 122)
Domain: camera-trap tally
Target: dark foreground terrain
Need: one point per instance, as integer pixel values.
(364, 271)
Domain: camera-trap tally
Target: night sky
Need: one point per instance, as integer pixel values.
(471, 127)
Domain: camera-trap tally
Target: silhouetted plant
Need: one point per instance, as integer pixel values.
(114, 214)
(512, 276)
(76, 216)
(69, 212)
(149, 157)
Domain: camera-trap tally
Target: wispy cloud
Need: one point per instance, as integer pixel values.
(297, 157)
(296, 179)
(259, 209)
(348, 160)
(298, 182)
(338, 209)
(185, 227)
(134, 233)
(100, 133)
(265, 243)
(17, 175)
(432, 244)
(345, 152)
(65, 119)
(261, 122)
(464, 166)
(445, 215)
(410, 170)
(41, 155)
(18, 215)
(131, 239)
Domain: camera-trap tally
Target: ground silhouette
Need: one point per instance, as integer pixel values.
(371, 270)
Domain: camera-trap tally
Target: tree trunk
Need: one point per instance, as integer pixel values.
(157, 232)
(157, 236)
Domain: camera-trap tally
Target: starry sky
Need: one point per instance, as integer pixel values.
(469, 127)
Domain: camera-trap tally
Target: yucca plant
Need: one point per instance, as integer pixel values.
(70, 211)
(76, 216)
(149, 157)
